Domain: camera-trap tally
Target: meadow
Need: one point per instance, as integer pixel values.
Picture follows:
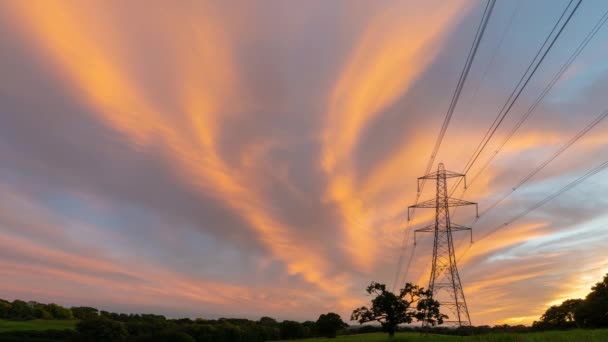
(557, 336)
(36, 325)
(579, 335)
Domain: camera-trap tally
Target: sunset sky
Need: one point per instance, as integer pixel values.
(257, 158)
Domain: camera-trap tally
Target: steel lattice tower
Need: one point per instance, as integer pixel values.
(444, 281)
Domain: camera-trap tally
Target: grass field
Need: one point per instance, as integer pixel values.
(557, 336)
(37, 324)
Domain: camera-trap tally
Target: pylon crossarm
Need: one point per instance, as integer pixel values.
(446, 174)
(427, 229)
(456, 227)
(426, 204)
(455, 202)
(435, 175)
(452, 202)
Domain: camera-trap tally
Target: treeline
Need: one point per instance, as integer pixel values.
(99, 326)
(21, 310)
(591, 312)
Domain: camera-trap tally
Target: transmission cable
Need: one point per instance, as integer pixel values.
(525, 179)
(459, 86)
(573, 140)
(555, 79)
(492, 60)
(521, 85)
(530, 111)
(455, 97)
(547, 199)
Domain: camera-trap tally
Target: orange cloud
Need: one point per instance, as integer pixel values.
(390, 56)
(96, 64)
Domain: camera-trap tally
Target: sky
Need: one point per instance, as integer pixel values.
(257, 158)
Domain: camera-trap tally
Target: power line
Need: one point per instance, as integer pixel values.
(539, 204)
(536, 170)
(521, 85)
(409, 263)
(556, 78)
(406, 237)
(525, 179)
(494, 54)
(530, 111)
(463, 76)
(455, 97)
(549, 198)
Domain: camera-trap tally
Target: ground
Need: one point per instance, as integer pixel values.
(599, 335)
(553, 336)
(37, 324)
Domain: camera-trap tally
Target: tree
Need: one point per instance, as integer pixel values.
(329, 324)
(268, 321)
(593, 311)
(101, 330)
(291, 330)
(58, 311)
(85, 312)
(559, 316)
(312, 328)
(41, 312)
(391, 309)
(5, 308)
(21, 310)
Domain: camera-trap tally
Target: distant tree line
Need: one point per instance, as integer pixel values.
(99, 326)
(21, 310)
(591, 312)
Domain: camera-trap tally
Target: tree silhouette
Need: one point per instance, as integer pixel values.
(390, 309)
(560, 316)
(329, 324)
(593, 311)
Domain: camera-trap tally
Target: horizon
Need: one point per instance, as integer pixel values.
(205, 159)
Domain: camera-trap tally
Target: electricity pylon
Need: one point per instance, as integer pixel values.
(444, 282)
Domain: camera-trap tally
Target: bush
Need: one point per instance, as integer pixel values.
(101, 330)
(21, 310)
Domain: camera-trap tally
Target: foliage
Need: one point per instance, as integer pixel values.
(591, 312)
(291, 330)
(84, 312)
(58, 311)
(268, 321)
(21, 310)
(390, 309)
(5, 309)
(329, 324)
(559, 316)
(101, 329)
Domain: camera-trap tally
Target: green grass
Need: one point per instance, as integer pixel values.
(557, 336)
(37, 324)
